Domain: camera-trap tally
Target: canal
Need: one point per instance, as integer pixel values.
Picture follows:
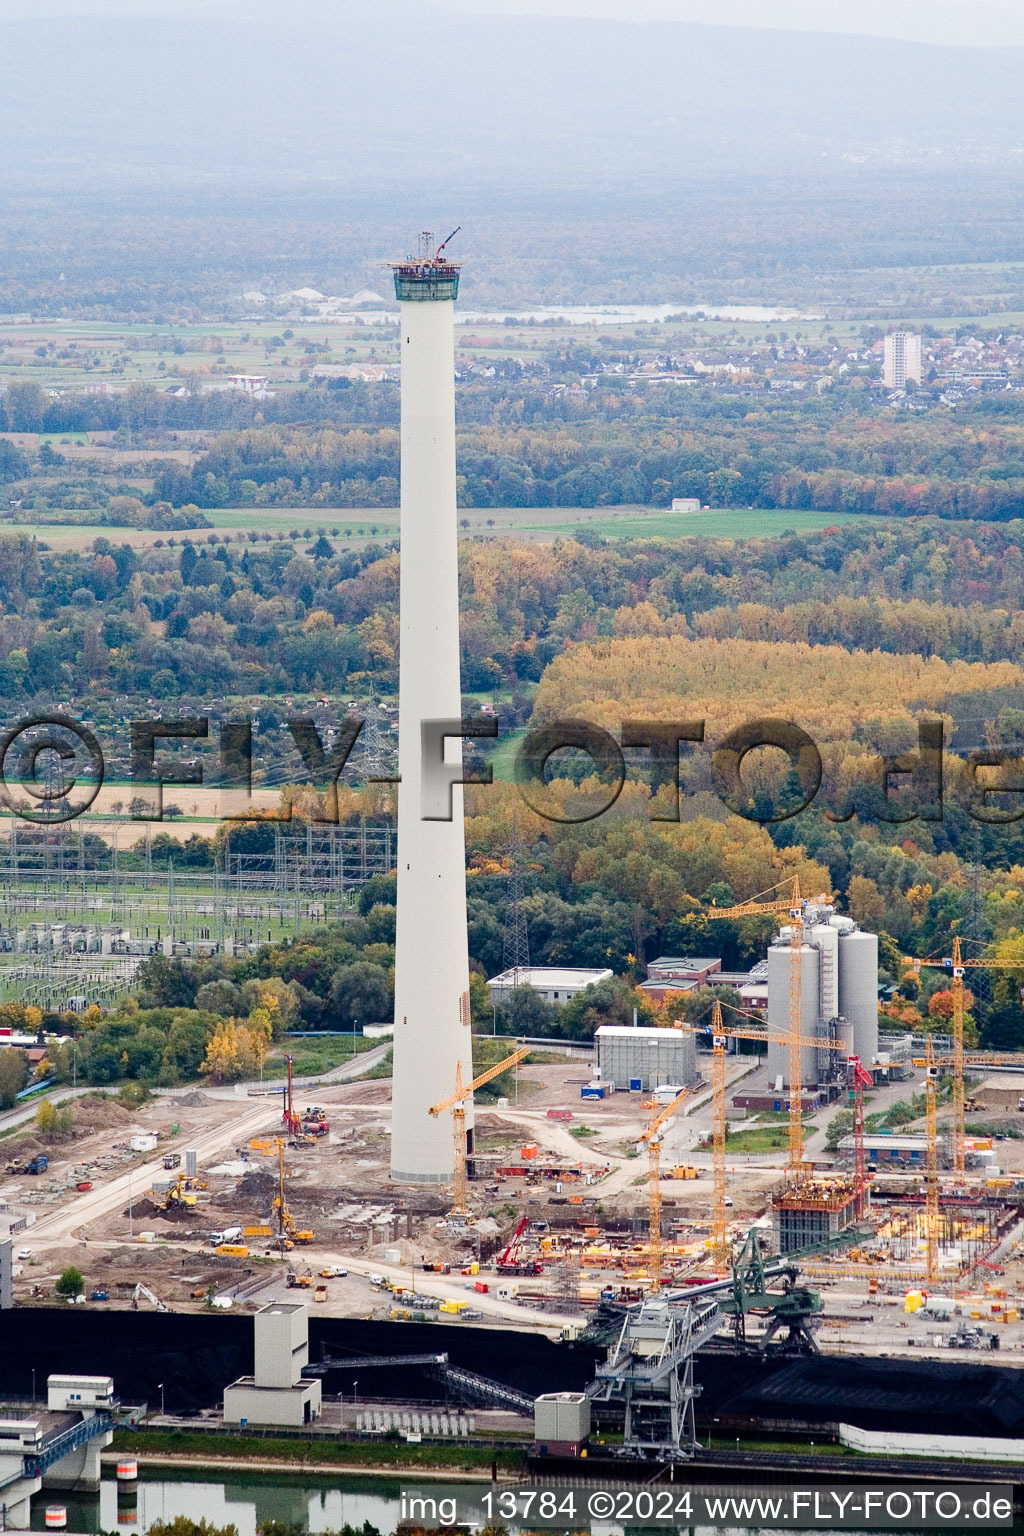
(245, 1500)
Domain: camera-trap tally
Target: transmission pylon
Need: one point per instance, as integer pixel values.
(516, 945)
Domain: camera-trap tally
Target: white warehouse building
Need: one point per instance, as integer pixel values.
(645, 1058)
(839, 993)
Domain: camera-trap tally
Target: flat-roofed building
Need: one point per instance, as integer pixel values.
(558, 984)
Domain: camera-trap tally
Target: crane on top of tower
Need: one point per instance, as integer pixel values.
(444, 242)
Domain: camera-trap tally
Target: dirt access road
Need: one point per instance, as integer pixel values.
(54, 1230)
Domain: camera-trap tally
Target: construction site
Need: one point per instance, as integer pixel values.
(564, 1202)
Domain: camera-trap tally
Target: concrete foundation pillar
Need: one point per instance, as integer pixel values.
(15, 1505)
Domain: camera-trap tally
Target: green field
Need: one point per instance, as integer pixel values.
(382, 523)
(723, 523)
(765, 1138)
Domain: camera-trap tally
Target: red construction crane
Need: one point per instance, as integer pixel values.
(860, 1079)
(510, 1262)
(289, 1118)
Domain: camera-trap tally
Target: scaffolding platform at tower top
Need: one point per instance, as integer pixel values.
(428, 274)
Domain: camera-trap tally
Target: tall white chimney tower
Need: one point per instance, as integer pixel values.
(432, 1027)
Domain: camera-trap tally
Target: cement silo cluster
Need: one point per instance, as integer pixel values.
(838, 991)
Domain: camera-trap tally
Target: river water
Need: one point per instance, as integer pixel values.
(248, 1499)
(241, 1499)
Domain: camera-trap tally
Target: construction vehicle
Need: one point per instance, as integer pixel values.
(144, 1290)
(289, 1119)
(229, 1235)
(315, 1121)
(301, 1282)
(957, 964)
(456, 1103)
(794, 906)
(178, 1197)
(172, 1160)
(288, 1233)
(510, 1260)
(38, 1164)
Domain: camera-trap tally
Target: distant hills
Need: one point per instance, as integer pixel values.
(399, 98)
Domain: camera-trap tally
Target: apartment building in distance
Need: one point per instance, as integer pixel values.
(902, 359)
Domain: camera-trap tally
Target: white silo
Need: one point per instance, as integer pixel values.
(858, 988)
(779, 961)
(826, 937)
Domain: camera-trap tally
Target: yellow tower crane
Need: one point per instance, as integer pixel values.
(794, 905)
(957, 964)
(652, 1136)
(721, 1033)
(457, 1104)
(931, 1187)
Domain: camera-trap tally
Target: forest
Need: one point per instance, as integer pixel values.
(875, 627)
(525, 443)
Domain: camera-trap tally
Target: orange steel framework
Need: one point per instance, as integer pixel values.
(861, 1079)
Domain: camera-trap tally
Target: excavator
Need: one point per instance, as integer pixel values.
(180, 1195)
(144, 1290)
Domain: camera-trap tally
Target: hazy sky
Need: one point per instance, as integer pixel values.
(981, 22)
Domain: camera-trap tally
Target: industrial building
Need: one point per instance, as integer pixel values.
(839, 995)
(58, 1446)
(556, 984)
(561, 1423)
(683, 968)
(645, 1058)
(276, 1392)
(813, 1212)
